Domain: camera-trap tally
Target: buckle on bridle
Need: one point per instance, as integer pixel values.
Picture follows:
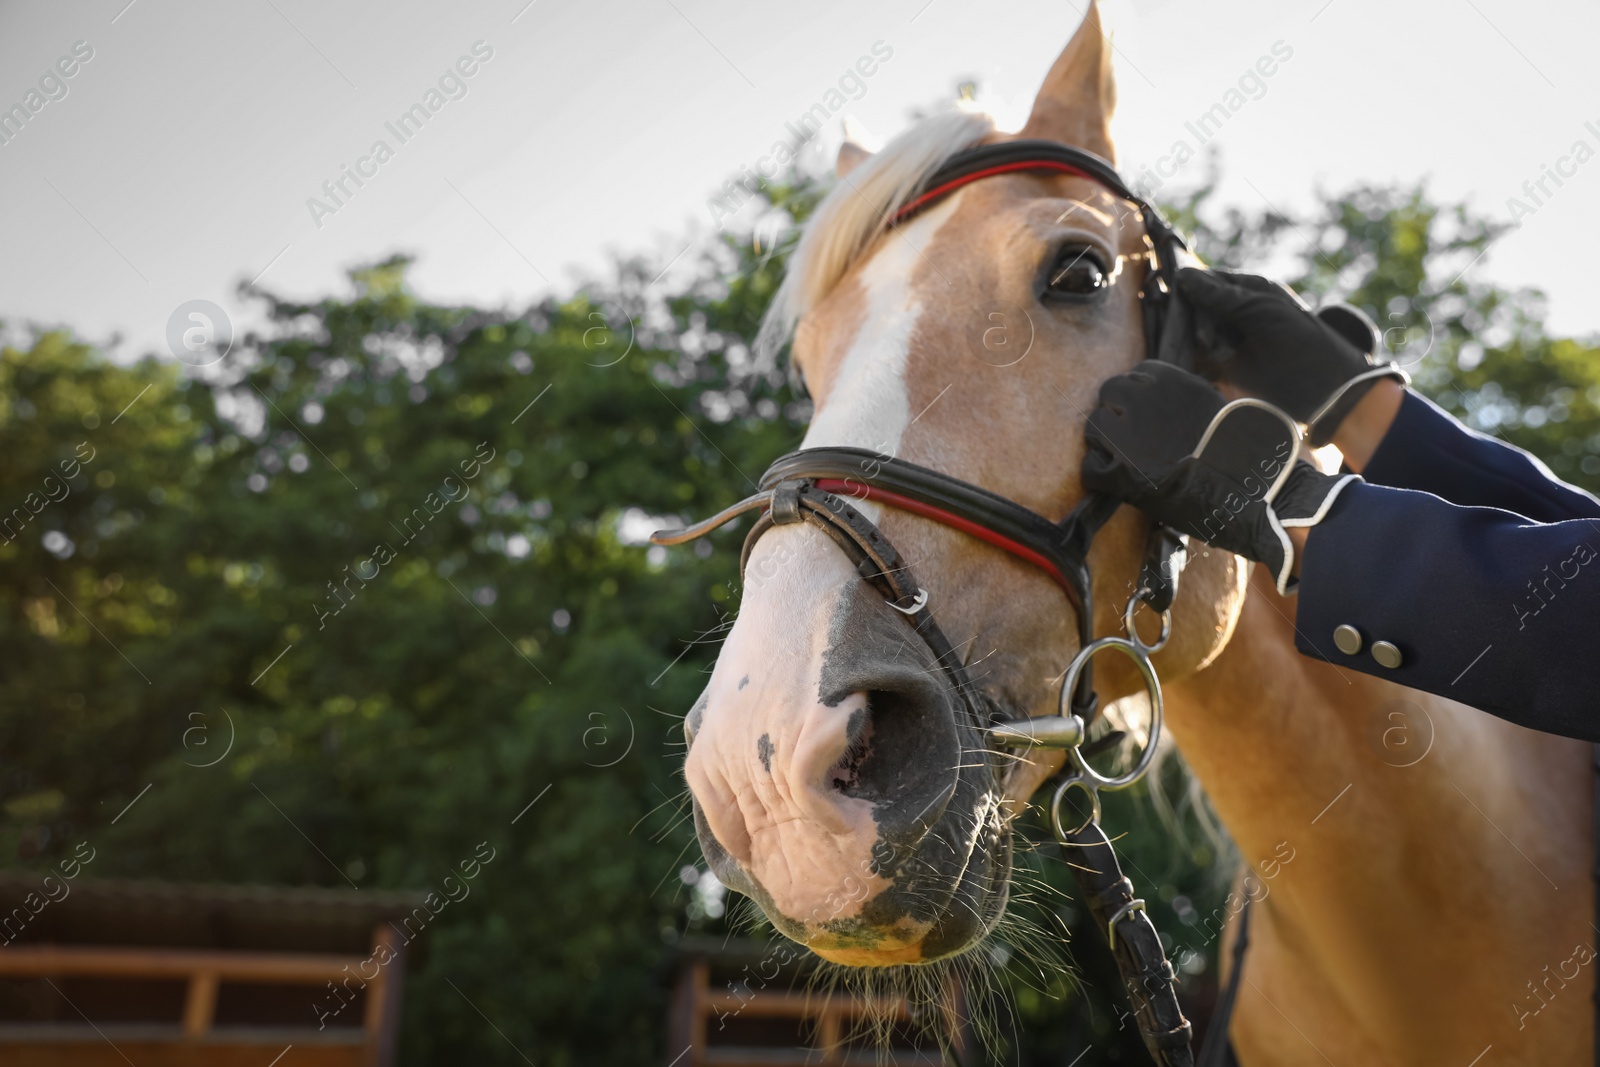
(785, 505)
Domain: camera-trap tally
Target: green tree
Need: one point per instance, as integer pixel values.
(391, 552)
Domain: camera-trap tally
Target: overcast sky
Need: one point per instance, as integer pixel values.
(179, 157)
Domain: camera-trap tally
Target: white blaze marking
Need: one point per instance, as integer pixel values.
(799, 839)
(869, 405)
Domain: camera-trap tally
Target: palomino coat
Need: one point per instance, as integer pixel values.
(1475, 563)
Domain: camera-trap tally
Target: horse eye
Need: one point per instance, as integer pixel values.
(1077, 272)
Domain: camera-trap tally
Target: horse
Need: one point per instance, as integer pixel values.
(1436, 909)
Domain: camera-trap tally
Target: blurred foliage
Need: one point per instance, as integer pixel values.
(519, 638)
(178, 589)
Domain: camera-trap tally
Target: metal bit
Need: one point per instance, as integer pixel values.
(1048, 731)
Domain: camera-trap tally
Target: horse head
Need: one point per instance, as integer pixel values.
(834, 777)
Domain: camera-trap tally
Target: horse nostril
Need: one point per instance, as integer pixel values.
(882, 736)
(845, 775)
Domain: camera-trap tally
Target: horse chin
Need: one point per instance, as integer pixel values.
(970, 917)
(866, 957)
(888, 934)
(929, 909)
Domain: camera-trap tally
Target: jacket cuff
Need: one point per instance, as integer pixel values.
(1288, 585)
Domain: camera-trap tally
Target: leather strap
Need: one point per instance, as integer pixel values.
(1165, 556)
(1596, 876)
(1023, 154)
(1146, 975)
(1060, 549)
(877, 562)
(1217, 1051)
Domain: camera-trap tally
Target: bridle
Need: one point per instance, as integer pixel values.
(816, 485)
(1061, 549)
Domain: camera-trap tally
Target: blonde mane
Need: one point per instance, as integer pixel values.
(857, 210)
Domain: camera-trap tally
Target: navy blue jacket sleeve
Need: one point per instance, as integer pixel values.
(1429, 450)
(1474, 561)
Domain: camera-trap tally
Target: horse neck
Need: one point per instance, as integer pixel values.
(1410, 904)
(1294, 757)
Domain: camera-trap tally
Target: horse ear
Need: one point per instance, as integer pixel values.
(856, 148)
(851, 155)
(1079, 94)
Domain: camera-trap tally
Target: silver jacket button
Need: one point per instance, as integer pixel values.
(1386, 654)
(1347, 639)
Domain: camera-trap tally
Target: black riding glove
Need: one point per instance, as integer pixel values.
(1257, 335)
(1156, 442)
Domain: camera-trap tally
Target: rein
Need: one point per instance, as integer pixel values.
(817, 485)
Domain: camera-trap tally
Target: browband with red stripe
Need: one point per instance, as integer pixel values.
(1006, 168)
